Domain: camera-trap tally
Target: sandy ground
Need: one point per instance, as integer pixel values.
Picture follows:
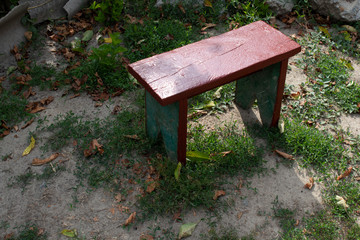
(49, 203)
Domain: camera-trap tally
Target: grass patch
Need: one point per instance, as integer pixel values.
(112, 133)
(199, 179)
(328, 74)
(12, 108)
(222, 234)
(315, 148)
(29, 232)
(154, 37)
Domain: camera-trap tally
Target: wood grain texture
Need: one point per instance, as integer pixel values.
(201, 66)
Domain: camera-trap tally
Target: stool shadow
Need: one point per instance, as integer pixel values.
(248, 116)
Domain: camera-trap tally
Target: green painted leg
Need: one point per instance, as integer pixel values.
(164, 119)
(261, 85)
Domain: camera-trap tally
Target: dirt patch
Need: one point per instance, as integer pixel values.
(54, 204)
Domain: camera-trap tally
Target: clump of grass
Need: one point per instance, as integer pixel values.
(154, 37)
(284, 215)
(227, 233)
(29, 232)
(112, 133)
(200, 178)
(315, 148)
(12, 108)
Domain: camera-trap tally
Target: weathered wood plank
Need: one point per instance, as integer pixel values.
(201, 66)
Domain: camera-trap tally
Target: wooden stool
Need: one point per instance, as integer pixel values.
(256, 56)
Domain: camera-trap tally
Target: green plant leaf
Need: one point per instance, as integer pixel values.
(177, 171)
(186, 230)
(87, 35)
(69, 233)
(197, 156)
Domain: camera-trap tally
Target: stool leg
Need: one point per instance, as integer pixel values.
(262, 85)
(280, 92)
(170, 120)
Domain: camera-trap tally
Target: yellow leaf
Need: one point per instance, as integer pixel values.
(281, 125)
(350, 28)
(208, 3)
(69, 233)
(30, 147)
(177, 171)
(186, 230)
(341, 201)
(325, 31)
(107, 40)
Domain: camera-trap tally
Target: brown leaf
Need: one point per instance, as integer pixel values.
(112, 210)
(118, 197)
(284, 155)
(125, 162)
(38, 162)
(151, 185)
(99, 80)
(5, 133)
(239, 215)
(208, 25)
(297, 223)
(146, 237)
(310, 184)
(181, 7)
(226, 153)
(98, 104)
(345, 174)
(177, 217)
(117, 93)
(28, 35)
(135, 137)
(8, 236)
(169, 37)
(116, 110)
(218, 193)
(197, 113)
(131, 219)
(28, 93)
(69, 55)
(94, 146)
(28, 123)
(75, 95)
(36, 109)
(357, 178)
(47, 101)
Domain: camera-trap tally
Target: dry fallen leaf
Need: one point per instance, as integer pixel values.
(118, 197)
(239, 215)
(218, 193)
(310, 184)
(146, 237)
(28, 35)
(177, 217)
(94, 146)
(28, 123)
(208, 25)
(345, 174)
(135, 137)
(116, 110)
(341, 201)
(151, 185)
(284, 155)
(130, 219)
(38, 162)
(357, 178)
